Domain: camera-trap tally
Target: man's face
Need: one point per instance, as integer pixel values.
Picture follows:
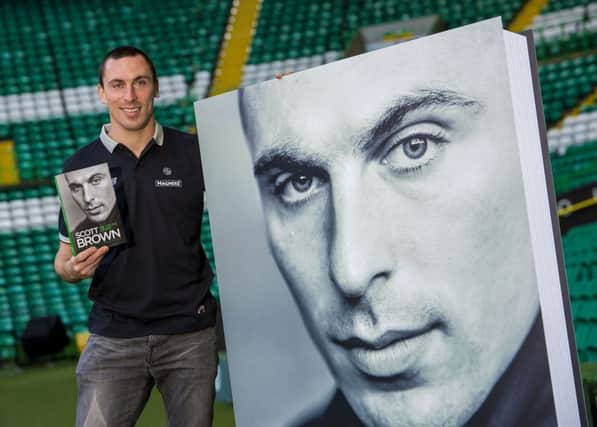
(128, 90)
(92, 191)
(396, 215)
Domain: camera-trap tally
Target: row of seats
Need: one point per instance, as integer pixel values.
(580, 250)
(293, 30)
(573, 148)
(7, 346)
(567, 21)
(31, 106)
(59, 44)
(42, 146)
(28, 285)
(565, 83)
(575, 130)
(255, 73)
(78, 100)
(313, 27)
(200, 85)
(27, 200)
(181, 36)
(573, 43)
(556, 5)
(586, 337)
(568, 30)
(577, 167)
(453, 13)
(27, 64)
(34, 213)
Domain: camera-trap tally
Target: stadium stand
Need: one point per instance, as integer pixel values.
(49, 108)
(566, 38)
(565, 27)
(50, 64)
(292, 36)
(565, 83)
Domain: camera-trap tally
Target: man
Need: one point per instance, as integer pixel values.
(152, 322)
(395, 212)
(91, 189)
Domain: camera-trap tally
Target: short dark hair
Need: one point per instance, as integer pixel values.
(123, 52)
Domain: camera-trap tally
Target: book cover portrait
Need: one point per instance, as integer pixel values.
(384, 241)
(88, 202)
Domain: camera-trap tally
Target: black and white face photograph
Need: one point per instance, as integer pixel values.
(372, 242)
(87, 196)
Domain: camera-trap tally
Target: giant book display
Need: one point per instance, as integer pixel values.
(386, 240)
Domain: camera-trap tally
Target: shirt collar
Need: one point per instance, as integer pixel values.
(110, 144)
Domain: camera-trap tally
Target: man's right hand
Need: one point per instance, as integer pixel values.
(285, 73)
(81, 266)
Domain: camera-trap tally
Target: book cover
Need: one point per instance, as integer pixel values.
(387, 241)
(88, 203)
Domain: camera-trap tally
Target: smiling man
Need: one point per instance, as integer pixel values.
(152, 320)
(394, 208)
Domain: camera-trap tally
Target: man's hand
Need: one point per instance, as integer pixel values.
(281, 75)
(75, 268)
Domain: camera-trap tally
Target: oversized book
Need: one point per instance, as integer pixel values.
(387, 243)
(90, 209)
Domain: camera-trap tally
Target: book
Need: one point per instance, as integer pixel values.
(90, 209)
(387, 244)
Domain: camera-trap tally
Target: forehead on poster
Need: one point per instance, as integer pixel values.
(361, 87)
(394, 207)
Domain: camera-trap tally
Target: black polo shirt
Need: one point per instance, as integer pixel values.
(158, 282)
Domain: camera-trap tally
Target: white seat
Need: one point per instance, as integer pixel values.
(5, 224)
(20, 223)
(36, 221)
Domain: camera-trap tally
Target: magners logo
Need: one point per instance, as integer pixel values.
(168, 183)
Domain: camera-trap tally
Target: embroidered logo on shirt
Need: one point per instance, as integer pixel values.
(168, 183)
(167, 171)
(201, 309)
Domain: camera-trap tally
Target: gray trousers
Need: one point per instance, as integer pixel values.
(115, 377)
